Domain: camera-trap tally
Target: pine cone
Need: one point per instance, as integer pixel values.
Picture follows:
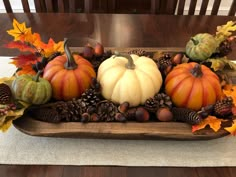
(90, 97)
(151, 105)
(97, 60)
(46, 115)
(5, 94)
(138, 52)
(106, 111)
(224, 48)
(163, 100)
(223, 108)
(164, 64)
(186, 115)
(73, 110)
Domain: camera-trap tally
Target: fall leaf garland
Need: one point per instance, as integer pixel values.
(31, 46)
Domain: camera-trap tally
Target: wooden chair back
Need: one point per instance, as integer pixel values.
(8, 7)
(203, 9)
(122, 6)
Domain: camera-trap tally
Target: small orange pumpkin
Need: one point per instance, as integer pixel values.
(193, 86)
(70, 75)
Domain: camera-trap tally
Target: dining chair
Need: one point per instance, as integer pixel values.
(203, 8)
(8, 6)
(173, 7)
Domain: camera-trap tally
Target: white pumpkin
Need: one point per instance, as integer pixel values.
(129, 78)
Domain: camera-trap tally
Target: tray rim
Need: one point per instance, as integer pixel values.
(115, 130)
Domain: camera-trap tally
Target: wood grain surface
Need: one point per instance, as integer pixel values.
(115, 130)
(112, 171)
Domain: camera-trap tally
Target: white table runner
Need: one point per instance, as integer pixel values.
(19, 148)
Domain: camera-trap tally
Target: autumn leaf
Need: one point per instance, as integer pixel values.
(230, 91)
(51, 47)
(6, 120)
(23, 60)
(22, 46)
(232, 129)
(224, 31)
(212, 121)
(19, 31)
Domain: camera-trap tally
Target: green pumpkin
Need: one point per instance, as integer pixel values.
(201, 47)
(32, 89)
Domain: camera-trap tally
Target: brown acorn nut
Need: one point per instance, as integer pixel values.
(164, 114)
(141, 114)
(177, 59)
(120, 117)
(88, 52)
(98, 49)
(123, 107)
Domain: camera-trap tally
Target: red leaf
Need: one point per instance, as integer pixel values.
(23, 60)
(20, 45)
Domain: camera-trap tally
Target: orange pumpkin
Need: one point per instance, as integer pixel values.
(193, 86)
(70, 75)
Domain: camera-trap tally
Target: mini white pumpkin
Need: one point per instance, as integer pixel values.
(129, 78)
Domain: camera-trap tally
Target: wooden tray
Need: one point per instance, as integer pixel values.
(116, 130)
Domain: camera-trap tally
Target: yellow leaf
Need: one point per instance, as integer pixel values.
(232, 129)
(6, 120)
(230, 91)
(6, 126)
(19, 30)
(224, 31)
(212, 121)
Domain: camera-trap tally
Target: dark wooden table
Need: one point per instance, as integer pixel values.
(112, 31)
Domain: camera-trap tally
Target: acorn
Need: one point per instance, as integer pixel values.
(123, 107)
(98, 50)
(120, 117)
(164, 114)
(94, 117)
(142, 115)
(88, 52)
(85, 117)
(177, 59)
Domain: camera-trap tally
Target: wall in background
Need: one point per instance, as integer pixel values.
(224, 7)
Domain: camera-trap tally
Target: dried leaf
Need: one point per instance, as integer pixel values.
(22, 46)
(218, 64)
(224, 31)
(6, 120)
(51, 47)
(23, 60)
(212, 121)
(232, 129)
(230, 91)
(19, 31)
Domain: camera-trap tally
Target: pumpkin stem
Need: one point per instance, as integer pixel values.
(130, 64)
(70, 63)
(197, 71)
(36, 77)
(195, 42)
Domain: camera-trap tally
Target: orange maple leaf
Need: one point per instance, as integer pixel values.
(212, 121)
(230, 91)
(19, 31)
(232, 129)
(51, 47)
